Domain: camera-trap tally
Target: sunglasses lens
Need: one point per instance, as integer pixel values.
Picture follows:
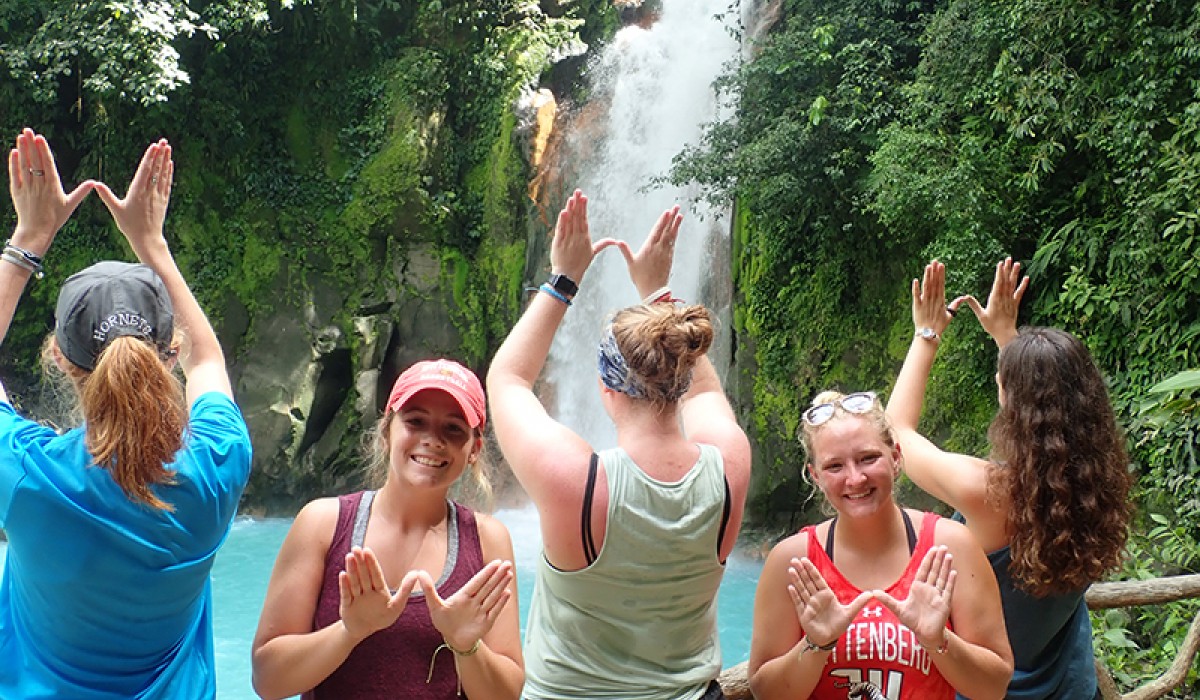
(858, 403)
(818, 414)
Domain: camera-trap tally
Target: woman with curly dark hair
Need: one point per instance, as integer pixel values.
(1050, 505)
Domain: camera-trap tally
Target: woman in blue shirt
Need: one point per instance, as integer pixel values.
(113, 526)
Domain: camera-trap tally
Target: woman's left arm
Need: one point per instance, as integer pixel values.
(481, 619)
(140, 216)
(975, 657)
(978, 618)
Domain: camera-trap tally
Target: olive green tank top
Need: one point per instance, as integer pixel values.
(640, 623)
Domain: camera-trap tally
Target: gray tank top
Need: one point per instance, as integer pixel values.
(640, 623)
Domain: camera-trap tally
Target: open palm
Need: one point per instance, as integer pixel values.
(367, 605)
(469, 613)
(823, 617)
(926, 610)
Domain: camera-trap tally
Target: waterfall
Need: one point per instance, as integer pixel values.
(655, 85)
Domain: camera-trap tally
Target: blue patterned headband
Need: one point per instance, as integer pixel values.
(614, 371)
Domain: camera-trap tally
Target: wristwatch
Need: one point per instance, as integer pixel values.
(927, 333)
(564, 285)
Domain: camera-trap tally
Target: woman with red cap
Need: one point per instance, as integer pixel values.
(331, 625)
(113, 526)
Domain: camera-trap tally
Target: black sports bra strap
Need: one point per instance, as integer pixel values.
(829, 538)
(908, 528)
(724, 517)
(912, 534)
(589, 542)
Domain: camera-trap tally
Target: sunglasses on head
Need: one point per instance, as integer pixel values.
(858, 402)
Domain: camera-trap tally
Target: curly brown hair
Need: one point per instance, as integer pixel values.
(661, 344)
(1059, 457)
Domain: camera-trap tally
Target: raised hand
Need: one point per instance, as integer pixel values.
(650, 267)
(999, 318)
(367, 604)
(929, 308)
(38, 197)
(927, 608)
(572, 249)
(467, 615)
(140, 215)
(822, 616)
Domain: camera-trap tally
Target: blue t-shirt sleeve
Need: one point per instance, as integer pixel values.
(217, 428)
(17, 434)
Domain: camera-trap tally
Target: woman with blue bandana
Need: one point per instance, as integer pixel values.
(635, 536)
(113, 526)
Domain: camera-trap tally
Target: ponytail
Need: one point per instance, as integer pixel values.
(135, 415)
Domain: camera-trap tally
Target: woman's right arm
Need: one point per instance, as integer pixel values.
(289, 657)
(42, 207)
(792, 602)
(549, 459)
(140, 216)
(778, 666)
(955, 479)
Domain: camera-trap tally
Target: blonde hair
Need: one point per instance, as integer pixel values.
(134, 413)
(875, 415)
(807, 434)
(376, 455)
(661, 344)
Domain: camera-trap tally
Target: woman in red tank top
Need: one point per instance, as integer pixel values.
(910, 610)
(331, 627)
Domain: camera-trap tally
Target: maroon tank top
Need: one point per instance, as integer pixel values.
(394, 662)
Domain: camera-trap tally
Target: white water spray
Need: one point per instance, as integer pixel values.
(657, 82)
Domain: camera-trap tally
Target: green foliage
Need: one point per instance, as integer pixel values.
(817, 272)
(315, 142)
(870, 137)
(1138, 644)
(487, 291)
(122, 49)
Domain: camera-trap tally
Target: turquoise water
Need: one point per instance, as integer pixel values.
(243, 568)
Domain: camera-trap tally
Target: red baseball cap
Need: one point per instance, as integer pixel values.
(444, 375)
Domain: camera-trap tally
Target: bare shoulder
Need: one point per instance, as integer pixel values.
(791, 547)
(315, 522)
(951, 532)
(959, 539)
(494, 538)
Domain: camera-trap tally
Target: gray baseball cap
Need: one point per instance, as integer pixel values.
(109, 300)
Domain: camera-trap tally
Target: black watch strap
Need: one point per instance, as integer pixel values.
(564, 285)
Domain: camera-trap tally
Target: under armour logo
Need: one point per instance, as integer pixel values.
(873, 612)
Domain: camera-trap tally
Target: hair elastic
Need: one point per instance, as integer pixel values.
(659, 296)
(446, 645)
